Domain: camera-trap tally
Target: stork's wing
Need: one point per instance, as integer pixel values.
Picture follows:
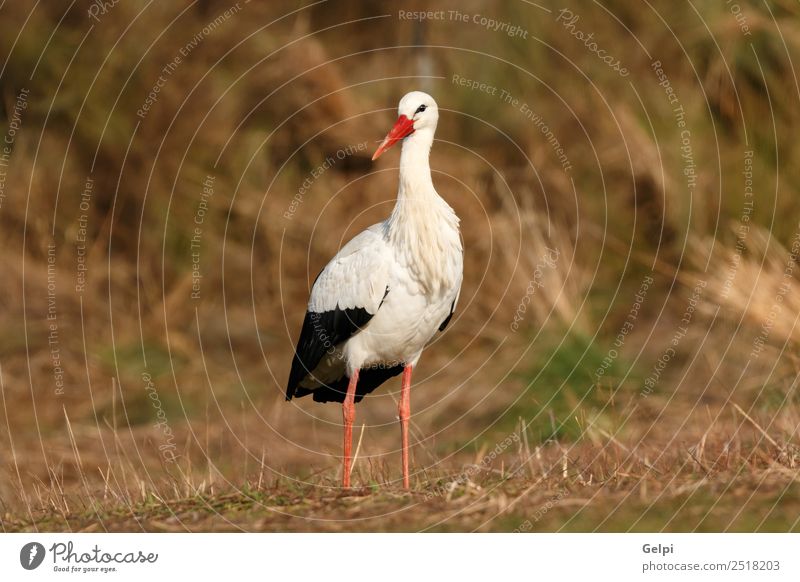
(449, 315)
(345, 296)
(453, 305)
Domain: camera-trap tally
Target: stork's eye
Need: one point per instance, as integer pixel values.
(420, 109)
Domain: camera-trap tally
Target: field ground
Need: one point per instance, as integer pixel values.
(744, 482)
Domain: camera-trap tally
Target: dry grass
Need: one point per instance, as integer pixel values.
(735, 476)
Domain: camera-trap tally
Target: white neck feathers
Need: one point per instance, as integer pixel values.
(422, 227)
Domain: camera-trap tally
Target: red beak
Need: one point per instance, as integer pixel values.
(403, 127)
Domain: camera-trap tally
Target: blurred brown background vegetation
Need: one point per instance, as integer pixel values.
(262, 94)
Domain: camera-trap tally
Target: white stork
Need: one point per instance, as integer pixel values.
(385, 294)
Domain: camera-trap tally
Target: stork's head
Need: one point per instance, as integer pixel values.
(417, 112)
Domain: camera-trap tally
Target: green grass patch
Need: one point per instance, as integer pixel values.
(568, 387)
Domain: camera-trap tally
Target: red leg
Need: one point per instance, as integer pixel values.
(404, 411)
(349, 415)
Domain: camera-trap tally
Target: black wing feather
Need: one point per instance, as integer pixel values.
(368, 380)
(320, 333)
(449, 317)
